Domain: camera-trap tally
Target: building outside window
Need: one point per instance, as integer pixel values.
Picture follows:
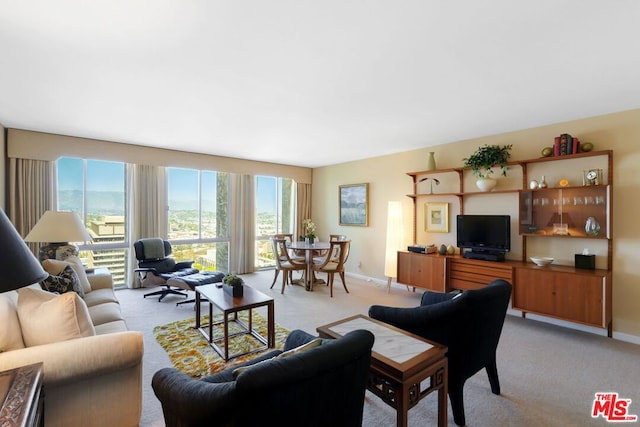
(198, 217)
(275, 214)
(96, 191)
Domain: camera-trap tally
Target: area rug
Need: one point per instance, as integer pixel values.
(190, 352)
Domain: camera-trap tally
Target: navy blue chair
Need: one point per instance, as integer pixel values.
(155, 266)
(468, 323)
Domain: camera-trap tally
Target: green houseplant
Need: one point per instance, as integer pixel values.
(233, 285)
(484, 159)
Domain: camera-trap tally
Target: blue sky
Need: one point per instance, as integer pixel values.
(109, 176)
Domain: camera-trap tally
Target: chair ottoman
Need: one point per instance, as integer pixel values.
(191, 281)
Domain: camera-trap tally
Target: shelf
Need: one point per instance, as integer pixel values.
(568, 156)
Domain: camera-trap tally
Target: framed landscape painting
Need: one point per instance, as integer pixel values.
(436, 217)
(353, 201)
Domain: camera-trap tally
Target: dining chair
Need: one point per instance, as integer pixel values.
(295, 255)
(284, 262)
(339, 238)
(331, 265)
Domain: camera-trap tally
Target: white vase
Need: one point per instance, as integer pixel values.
(486, 184)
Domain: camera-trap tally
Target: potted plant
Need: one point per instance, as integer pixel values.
(232, 284)
(484, 160)
(309, 230)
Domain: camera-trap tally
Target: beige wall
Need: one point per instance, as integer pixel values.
(45, 146)
(388, 181)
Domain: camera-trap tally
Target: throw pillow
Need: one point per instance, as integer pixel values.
(54, 267)
(300, 349)
(67, 280)
(47, 318)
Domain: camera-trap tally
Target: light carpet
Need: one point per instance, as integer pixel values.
(548, 373)
(190, 352)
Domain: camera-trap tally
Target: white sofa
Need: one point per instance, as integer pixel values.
(91, 380)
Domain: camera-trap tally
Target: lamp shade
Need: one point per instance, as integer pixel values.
(58, 227)
(18, 265)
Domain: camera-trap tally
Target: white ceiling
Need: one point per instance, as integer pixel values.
(312, 83)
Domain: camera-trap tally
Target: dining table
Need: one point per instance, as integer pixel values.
(308, 249)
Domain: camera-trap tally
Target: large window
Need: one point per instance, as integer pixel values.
(96, 191)
(275, 214)
(198, 217)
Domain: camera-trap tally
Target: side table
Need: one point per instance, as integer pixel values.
(22, 397)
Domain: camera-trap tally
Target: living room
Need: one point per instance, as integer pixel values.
(612, 126)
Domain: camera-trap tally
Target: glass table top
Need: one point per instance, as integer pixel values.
(389, 343)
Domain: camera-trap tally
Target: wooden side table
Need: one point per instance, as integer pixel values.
(22, 397)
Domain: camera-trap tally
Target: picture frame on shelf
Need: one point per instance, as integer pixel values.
(353, 204)
(436, 217)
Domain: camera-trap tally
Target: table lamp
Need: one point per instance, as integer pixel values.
(58, 228)
(18, 265)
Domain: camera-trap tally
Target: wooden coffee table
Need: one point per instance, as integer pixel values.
(400, 362)
(251, 299)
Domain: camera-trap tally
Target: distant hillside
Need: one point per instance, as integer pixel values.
(106, 202)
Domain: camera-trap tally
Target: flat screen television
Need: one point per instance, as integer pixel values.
(487, 236)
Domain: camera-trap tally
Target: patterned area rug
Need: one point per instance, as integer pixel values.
(190, 352)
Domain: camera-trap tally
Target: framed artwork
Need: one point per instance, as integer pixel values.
(436, 217)
(353, 202)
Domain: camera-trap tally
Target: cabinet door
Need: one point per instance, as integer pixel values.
(580, 298)
(570, 296)
(534, 291)
(422, 271)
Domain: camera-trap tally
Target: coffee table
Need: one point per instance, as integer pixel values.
(215, 296)
(400, 362)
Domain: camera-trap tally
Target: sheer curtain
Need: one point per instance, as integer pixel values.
(303, 200)
(242, 224)
(32, 191)
(147, 208)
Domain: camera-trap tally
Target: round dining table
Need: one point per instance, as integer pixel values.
(308, 249)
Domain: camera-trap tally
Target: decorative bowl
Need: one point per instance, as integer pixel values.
(541, 261)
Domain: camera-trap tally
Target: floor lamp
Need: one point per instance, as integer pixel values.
(395, 240)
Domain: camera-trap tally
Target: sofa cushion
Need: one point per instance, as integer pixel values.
(65, 281)
(105, 313)
(10, 332)
(47, 318)
(100, 296)
(54, 267)
(300, 349)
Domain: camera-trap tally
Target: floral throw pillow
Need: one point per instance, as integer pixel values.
(66, 281)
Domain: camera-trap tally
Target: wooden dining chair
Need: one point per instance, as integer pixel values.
(284, 262)
(295, 255)
(339, 238)
(331, 265)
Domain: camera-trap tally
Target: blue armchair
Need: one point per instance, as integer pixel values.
(155, 266)
(322, 386)
(468, 323)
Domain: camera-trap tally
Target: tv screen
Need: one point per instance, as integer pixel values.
(484, 233)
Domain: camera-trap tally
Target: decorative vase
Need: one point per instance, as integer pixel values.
(486, 184)
(592, 226)
(542, 183)
(431, 161)
(442, 250)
